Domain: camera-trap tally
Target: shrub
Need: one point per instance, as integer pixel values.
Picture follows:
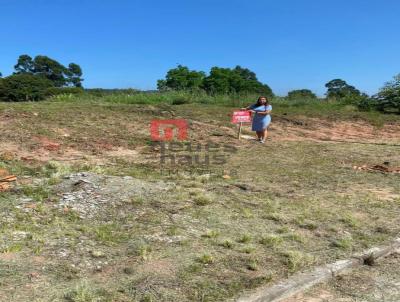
(388, 98)
(367, 104)
(301, 94)
(353, 99)
(180, 100)
(24, 87)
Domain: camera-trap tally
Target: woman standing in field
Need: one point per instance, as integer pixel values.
(262, 118)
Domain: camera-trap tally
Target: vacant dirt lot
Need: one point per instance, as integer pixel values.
(95, 217)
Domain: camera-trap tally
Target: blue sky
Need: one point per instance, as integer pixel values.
(290, 44)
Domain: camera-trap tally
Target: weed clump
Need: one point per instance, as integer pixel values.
(295, 260)
(206, 259)
(246, 238)
(227, 244)
(202, 200)
(271, 240)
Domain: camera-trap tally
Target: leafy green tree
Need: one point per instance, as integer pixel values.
(245, 73)
(24, 65)
(74, 74)
(388, 98)
(301, 94)
(366, 103)
(162, 85)
(236, 80)
(51, 69)
(181, 78)
(338, 89)
(221, 81)
(24, 87)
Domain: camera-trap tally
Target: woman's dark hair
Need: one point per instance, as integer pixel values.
(259, 102)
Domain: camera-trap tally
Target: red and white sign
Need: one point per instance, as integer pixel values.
(241, 117)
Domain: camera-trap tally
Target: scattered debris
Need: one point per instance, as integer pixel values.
(52, 146)
(6, 180)
(385, 168)
(48, 144)
(247, 187)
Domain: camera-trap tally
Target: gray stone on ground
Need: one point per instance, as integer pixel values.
(89, 193)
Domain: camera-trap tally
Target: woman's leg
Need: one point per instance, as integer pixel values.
(265, 134)
(259, 134)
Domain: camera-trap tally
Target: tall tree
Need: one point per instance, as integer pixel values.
(236, 80)
(50, 69)
(338, 89)
(245, 73)
(221, 81)
(24, 65)
(181, 78)
(75, 75)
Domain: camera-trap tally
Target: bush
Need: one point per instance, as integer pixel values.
(388, 98)
(24, 87)
(53, 91)
(367, 104)
(180, 101)
(301, 94)
(353, 99)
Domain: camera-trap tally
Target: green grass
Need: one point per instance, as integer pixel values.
(319, 108)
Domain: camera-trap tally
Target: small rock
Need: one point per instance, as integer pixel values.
(128, 270)
(97, 254)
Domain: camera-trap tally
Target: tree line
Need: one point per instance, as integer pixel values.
(36, 78)
(241, 80)
(237, 80)
(39, 77)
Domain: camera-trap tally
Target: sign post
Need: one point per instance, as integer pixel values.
(240, 129)
(240, 117)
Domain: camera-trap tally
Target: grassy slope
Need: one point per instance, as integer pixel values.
(287, 205)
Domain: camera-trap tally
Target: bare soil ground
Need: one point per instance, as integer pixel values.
(97, 136)
(95, 217)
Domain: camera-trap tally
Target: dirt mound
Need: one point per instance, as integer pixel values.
(89, 194)
(322, 130)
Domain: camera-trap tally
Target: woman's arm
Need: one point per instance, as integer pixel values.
(267, 112)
